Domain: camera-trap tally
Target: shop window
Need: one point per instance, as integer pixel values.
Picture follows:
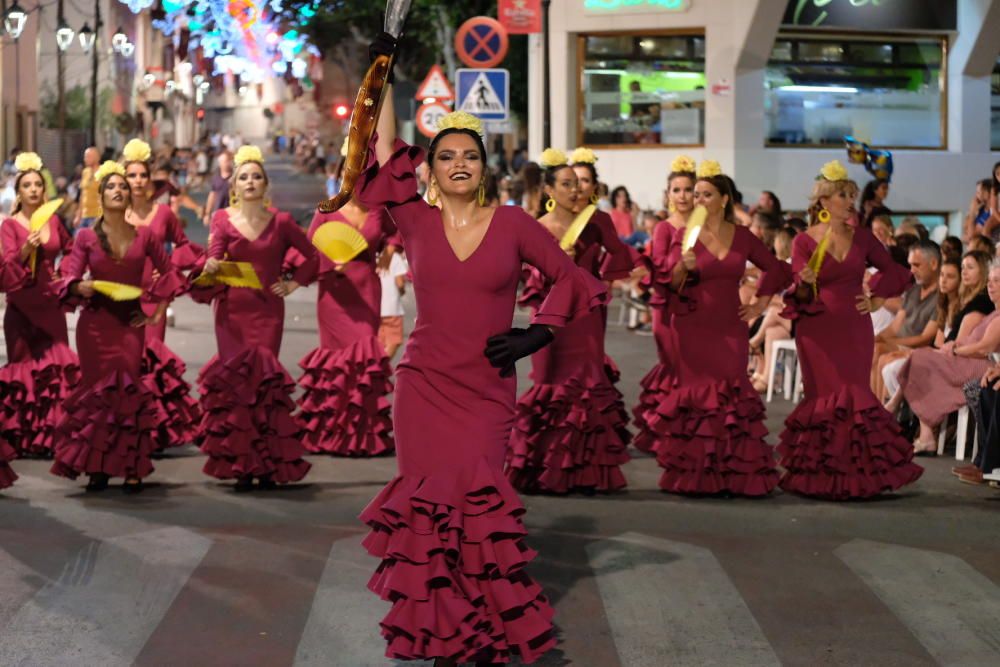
(995, 108)
(886, 92)
(642, 89)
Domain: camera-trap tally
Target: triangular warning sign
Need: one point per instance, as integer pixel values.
(482, 97)
(435, 85)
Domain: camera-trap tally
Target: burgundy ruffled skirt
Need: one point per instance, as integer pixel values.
(247, 427)
(163, 372)
(569, 437)
(107, 428)
(32, 394)
(843, 446)
(710, 440)
(7, 475)
(344, 408)
(453, 558)
(655, 387)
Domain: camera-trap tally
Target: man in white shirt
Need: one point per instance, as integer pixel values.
(390, 332)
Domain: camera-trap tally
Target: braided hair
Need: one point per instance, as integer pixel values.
(102, 236)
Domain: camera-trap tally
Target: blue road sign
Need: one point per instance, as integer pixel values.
(483, 92)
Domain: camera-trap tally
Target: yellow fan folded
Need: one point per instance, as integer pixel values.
(693, 228)
(819, 254)
(233, 274)
(38, 219)
(339, 241)
(117, 291)
(573, 232)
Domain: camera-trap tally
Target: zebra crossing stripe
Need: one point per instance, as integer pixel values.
(950, 608)
(15, 587)
(671, 603)
(106, 603)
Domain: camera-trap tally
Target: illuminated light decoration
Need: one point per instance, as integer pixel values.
(14, 20)
(149, 79)
(171, 6)
(272, 38)
(242, 91)
(119, 40)
(128, 50)
(205, 86)
(341, 111)
(279, 66)
(64, 35)
(199, 79)
(299, 68)
(137, 6)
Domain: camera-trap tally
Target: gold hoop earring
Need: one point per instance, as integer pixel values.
(823, 216)
(234, 199)
(481, 194)
(672, 207)
(550, 205)
(432, 197)
(594, 199)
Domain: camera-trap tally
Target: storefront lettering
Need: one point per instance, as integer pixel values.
(617, 5)
(819, 4)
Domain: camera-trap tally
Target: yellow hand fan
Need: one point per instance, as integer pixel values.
(339, 241)
(693, 228)
(117, 291)
(38, 220)
(816, 260)
(233, 274)
(573, 232)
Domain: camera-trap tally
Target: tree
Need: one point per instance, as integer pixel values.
(342, 30)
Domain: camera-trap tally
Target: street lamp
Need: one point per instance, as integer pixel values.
(119, 40)
(14, 20)
(128, 49)
(64, 35)
(87, 37)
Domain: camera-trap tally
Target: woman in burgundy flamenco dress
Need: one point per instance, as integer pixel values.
(570, 432)
(840, 443)
(41, 369)
(247, 428)
(162, 370)
(659, 381)
(110, 422)
(347, 379)
(713, 423)
(448, 528)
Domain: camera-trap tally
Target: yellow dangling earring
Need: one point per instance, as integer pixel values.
(481, 194)
(432, 198)
(671, 207)
(550, 205)
(823, 216)
(234, 199)
(594, 199)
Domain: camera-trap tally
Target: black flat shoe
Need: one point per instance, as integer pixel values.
(926, 453)
(266, 484)
(133, 486)
(243, 484)
(97, 483)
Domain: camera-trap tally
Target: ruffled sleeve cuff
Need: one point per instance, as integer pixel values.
(570, 298)
(395, 182)
(167, 286)
(185, 257)
(536, 288)
(774, 280)
(14, 276)
(891, 282)
(795, 309)
(618, 266)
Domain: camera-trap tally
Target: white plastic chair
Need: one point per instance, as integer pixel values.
(961, 431)
(783, 347)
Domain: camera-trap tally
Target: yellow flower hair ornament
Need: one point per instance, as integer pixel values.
(709, 169)
(460, 120)
(248, 153)
(682, 164)
(107, 169)
(28, 161)
(583, 156)
(833, 171)
(552, 157)
(137, 150)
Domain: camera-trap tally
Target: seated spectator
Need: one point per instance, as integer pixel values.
(772, 326)
(987, 459)
(951, 248)
(768, 202)
(932, 380)
(884, 230)
(900, 249)
(911, 225)
(909, 329)
(984, 244)
(798, 224)
(979, 210)
(641, 236)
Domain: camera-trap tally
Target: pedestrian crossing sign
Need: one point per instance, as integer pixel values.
(483, 92)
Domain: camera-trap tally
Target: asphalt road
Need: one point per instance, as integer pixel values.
(189, 573)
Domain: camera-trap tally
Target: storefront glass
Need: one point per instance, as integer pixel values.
(888, 92)
(642, 89)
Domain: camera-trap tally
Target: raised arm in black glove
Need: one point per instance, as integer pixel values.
(503, 350)
(384, 45)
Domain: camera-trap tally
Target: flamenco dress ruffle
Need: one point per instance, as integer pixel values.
(453, 557)
(163, 373)
(247, 427)
(654, 387)
(7, 474)
(32, 396)
(344, 407)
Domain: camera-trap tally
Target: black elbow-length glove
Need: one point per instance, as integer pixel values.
(503, 350)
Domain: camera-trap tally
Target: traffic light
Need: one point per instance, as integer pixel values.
(200, 114)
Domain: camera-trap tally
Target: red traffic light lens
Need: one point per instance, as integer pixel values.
(341, 110)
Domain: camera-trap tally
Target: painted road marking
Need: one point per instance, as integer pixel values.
(671, 603)
(106, 603)
(949, 606)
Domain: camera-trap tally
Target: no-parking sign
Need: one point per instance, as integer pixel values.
(481, 42)
(428, 116)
